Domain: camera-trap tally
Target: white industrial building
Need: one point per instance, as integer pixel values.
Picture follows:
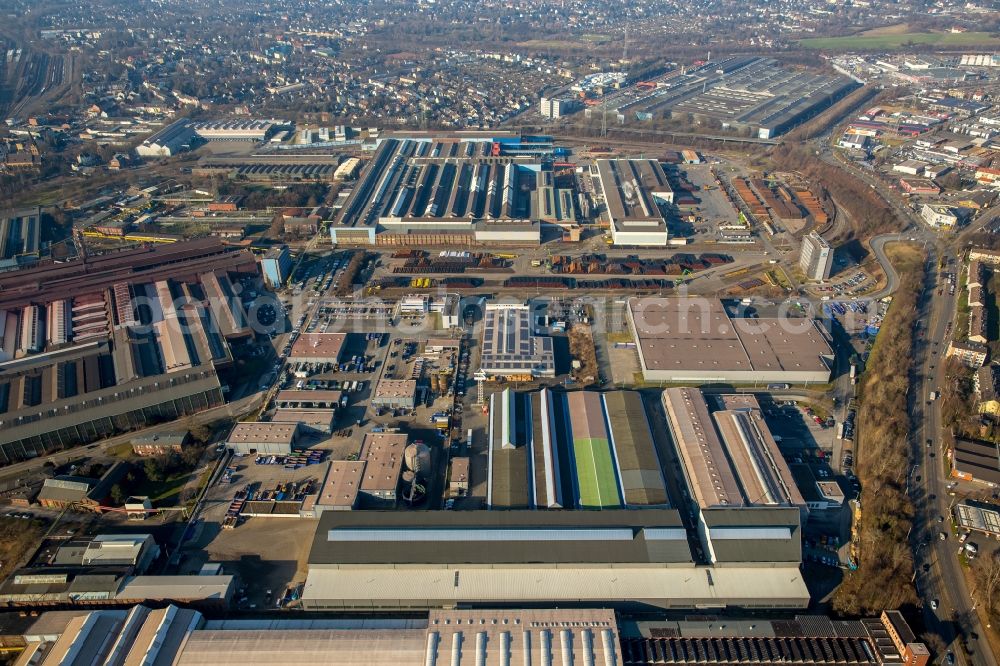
(980, 60)
(395, 394)
(510, 346)
(421, 304)
(169, 141)
(632, 192)
(264, 438)
(508, 232)
(237, 129)
(910, 167)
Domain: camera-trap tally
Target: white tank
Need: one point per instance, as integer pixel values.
(418, 458)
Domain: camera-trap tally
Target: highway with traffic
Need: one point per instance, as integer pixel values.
(939, 574)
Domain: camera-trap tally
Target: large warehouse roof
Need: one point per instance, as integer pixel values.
(629, 188)
(729, 456)
(318, 347)
(508, 484)
(709, 477)
(632, 586)
(580, 449)
(305, 646)
(753, 534)
(454, 637)
(597, 482)
(696, 338)
(444, 185)
(761, 469)
(254, 432)
(499, 537)
(382, 453)
(481, 636)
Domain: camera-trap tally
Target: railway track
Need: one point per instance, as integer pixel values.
(40, 78)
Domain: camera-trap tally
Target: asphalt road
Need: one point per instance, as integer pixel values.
(878, 244)
(945, 581)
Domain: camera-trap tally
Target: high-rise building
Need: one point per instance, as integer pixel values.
(555, 107)
(816, 259)
(276, 265)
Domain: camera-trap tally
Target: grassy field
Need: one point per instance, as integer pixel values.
(595, 472)
(897, 29)
(619, 336)
(895, 41)
(904, 256)
(17, 539)
(553, 44)
(165, 492)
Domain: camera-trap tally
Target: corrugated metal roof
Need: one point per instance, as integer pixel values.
(754, 534)
(508, 465)
(176, 588)
(587, 545)
(364, 648)
(641, 475)
(473, 534)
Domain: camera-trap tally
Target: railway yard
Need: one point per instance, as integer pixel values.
(29, 77)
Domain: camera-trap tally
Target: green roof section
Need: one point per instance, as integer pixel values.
(595, 473)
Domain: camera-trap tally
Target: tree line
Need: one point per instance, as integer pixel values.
(882, 462)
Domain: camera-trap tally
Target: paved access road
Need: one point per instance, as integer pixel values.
(878, 244)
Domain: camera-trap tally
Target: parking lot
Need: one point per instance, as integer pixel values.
(267, 553)
(712, 207)
(854, 283)
(800, 428)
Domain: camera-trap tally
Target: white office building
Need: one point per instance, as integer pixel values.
(816, 258)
